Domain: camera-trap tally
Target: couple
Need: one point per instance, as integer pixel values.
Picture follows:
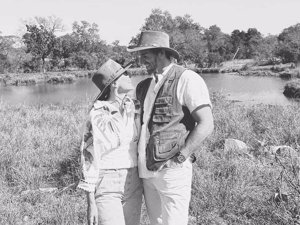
(130, 151)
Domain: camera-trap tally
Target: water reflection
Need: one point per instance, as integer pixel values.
(266, 90)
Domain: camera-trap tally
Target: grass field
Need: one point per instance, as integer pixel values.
(39, 149)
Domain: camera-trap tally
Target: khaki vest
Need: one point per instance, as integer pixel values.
(170, 122)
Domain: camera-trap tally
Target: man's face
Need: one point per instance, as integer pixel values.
(149, 59)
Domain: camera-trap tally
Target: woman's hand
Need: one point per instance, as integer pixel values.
(128, 105)
(92, 211)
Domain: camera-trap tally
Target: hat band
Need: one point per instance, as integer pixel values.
(112, 78)
(153, 45)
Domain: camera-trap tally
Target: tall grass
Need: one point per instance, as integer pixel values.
(240, 190)
(39, 149)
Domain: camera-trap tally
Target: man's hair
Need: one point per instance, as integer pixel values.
(168, 54)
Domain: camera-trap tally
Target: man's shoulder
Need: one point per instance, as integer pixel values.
(190, 75)
(185, 71)
(179, 67)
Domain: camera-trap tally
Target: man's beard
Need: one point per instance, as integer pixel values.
(151, 69)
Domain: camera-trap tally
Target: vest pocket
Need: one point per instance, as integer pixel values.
(165, 100)
(168, 142)
(163, 110)
(162, 118)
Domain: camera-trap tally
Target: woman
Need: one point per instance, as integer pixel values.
(109, 152)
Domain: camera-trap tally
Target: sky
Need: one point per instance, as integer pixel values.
(122, 19)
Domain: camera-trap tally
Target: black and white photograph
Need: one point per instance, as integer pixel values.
(149, 112)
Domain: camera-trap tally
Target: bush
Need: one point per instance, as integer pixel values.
(292, 89)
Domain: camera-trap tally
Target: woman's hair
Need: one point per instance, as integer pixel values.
(106, 94)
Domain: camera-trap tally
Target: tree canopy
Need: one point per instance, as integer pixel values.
(39, 42)
(83, 48)
(289, 44)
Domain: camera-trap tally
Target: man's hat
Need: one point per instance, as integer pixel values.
(107, 74)
(152, 40)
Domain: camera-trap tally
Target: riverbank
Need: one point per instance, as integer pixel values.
(39, 165)
(250, 67)
(26, 79)
(237, 67)
(20, 79)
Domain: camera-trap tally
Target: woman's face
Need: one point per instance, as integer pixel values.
(124, 84)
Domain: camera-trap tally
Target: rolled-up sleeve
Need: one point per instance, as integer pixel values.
(89, 164)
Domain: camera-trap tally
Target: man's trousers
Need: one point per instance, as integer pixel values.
(168, 194)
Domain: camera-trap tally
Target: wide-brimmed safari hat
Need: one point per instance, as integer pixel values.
(152, 40)
(107, 74)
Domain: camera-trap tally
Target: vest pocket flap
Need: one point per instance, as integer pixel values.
(163, 110)
(161, 118)
(163, 100)
(168, 142)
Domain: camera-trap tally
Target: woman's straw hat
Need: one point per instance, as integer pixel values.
(107, 74)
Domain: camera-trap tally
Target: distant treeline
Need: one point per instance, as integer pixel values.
(40, 49)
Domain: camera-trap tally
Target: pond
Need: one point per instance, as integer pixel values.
(252, 90)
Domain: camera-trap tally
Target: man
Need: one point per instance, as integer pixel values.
(175, 118)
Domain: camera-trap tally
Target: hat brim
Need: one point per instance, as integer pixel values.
(118, 74)
(171, 50)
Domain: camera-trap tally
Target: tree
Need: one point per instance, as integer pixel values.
(86, 36)
(159, 20)
(253, 40)
(4, 46)
(52, 23)
(119, 53)
(289, 44)
(39, 42)
(64, 46)
(267, 47)
(218, 45)
(11, 54)
(90, 51)
(238, 41)
(82, 48)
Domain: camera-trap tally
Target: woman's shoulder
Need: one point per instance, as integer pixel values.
(100, 104)
(103, 109)
(104, 106)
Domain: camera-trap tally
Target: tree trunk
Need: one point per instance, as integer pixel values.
(43, 65)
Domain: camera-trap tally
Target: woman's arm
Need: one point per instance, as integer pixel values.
(92, 211)
(89, 162)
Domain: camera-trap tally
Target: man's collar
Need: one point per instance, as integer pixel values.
(167, 68)
(162, 77)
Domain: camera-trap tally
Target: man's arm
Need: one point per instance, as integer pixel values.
(205, 125)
